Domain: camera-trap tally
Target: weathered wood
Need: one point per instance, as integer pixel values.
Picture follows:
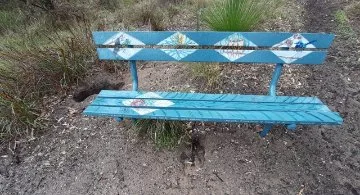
(210, 55)
(207, 38)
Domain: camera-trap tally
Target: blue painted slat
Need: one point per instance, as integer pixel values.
(209, 55)
(211, 97)
(208, 38)
(265, 117)
(211, 105)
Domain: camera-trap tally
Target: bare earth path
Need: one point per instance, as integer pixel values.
(80, 155)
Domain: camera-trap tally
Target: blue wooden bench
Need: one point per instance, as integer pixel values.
(224, 47)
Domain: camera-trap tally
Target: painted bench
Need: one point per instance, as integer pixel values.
(252, 48)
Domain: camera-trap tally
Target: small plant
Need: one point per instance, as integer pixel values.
(237, 15)
(343, 22)
(164, 134)
(208, 72)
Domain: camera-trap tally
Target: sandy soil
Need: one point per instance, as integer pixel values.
(81, 155)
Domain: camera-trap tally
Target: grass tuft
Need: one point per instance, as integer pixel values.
(164, 134)
(210, 73)
(343, 22)
(238, 15)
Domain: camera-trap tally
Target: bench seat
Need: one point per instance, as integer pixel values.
(212, 107)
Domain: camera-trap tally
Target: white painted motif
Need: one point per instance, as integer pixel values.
(178, 54)
(177, 39)
(236, 40)
(291, 56)
(147, 102)
(292, 41)
(233, 55)
(125, 53)
(122, 38)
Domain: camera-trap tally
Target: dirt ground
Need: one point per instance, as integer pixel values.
(82, 155)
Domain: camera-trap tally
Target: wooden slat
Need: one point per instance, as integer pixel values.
(213, 105)
(211, 97)
(208, 38)
(209, 55)
(269, 117)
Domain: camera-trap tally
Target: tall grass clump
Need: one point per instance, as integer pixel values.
(238, 15)
(164, 134)
(35, 65)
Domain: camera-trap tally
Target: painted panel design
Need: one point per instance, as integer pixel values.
(177, 39)
(208, 38)
(296, 41)
(122, 38)
(209, 55)
(291, 56)
(233, 55)
(125, 53)
(147, 102)
(178, 54)
(235, 40)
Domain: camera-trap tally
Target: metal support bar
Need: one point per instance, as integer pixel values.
(134, 75)
(265, 131)
(275, 78)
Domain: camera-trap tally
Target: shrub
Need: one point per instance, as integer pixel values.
(237, 15)
(32, 66)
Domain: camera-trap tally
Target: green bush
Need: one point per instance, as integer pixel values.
(32, 66)
(238, 15)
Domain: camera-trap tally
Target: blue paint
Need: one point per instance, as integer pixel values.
(193, 107)
(266, 130)
(119, 119)
(211, 55)
(206, 38)
(212, 105)
(268, 110)
(237, 98)
(291, 127)
(134, 75)
(275, 78)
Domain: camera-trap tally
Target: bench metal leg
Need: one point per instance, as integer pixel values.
(265, 131)
(291, 127)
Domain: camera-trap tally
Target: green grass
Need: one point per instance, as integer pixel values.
(209, 73)
(11, 21)
(238, 15)
(164, 134)
(344, 27)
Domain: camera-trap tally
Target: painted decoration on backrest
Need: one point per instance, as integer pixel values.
(296, 41)
(291, 56)
(236, 40)
(233, 55)
(177, 39)
(122, 38)
(125, 53)
(178, 54)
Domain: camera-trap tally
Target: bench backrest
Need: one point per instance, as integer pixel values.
(239, 47)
